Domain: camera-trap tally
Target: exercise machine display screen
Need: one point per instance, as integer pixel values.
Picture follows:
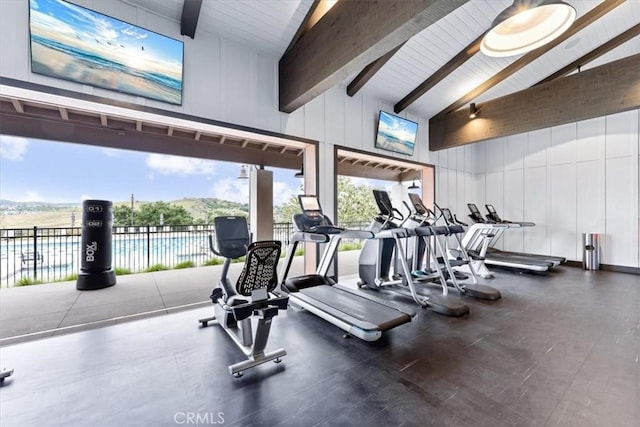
(310, 206)
(473, 208)
(491, 209)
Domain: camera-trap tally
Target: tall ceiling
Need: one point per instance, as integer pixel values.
(268, 26)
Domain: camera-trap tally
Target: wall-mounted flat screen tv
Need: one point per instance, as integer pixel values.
(396, 134)
(78, 44)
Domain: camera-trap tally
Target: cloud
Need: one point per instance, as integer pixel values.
(237, 190)
(176, 165)
(282, 192)
(29, 196)
(233, 189)
(12, 147)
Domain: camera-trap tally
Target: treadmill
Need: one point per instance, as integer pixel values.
(497, 259)
(492, 215)
(359, 315)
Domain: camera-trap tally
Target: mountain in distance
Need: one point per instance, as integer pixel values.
(44, 214)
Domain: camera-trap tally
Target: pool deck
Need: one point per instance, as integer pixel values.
(40, 311)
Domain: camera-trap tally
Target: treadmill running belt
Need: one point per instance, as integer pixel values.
(364, 313)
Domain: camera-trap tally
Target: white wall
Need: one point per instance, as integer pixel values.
(571, 179)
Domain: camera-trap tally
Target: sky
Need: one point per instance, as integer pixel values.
(45, 171)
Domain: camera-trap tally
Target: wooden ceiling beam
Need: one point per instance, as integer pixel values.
(585, 20)
(600, 91)
(594, 54)
(369, 71)
(463, 56)
(347, 38)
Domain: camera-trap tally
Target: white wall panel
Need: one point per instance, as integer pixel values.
(515, 149)
(353, 121)
(442, 185)
(495, 155)
(314, 120)
(622, 134)
(458, 202)
(590, 201)
(370, 113)
(562, 148)
(460, 159)
(590, 139)
(562, 210)
(535, 208)
(334, 113)
(537, 144)
(293, 124)
(239, 88)
(452, 187)
(621, 243)
(206, 100)
(267, 103)
(480, 156)
(443, 158)
(479, 190)
(469, 160)
(14, 43)
(513, 208)
(494, 194)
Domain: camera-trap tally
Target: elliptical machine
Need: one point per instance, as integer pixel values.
(235, 306)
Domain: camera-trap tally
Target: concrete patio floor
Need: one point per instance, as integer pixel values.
(39, 311)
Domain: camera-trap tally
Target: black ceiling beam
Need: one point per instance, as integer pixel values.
(369, 71)
(463, 56)
(190, 15)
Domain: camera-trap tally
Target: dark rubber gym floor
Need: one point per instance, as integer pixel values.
(561, 349)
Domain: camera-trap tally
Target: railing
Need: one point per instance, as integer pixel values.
(53, 254)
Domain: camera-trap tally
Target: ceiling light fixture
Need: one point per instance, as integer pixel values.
(527, 25)
(414, 186)
(300, 173)
(473, 111)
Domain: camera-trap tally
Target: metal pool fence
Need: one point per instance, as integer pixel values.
(40, 254)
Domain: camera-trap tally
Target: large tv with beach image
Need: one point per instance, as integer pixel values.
(396, 134)
(78, 44)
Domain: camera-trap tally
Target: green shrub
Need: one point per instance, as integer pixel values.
(28, 281)
(299, 252)
(185, 264)
(213, 261)
(69, 278)
(121, 271)
(241, 259)
(156, 267)
(350, 246)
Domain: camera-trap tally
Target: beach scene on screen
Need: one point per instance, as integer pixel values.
(77, 44)
(396, 134)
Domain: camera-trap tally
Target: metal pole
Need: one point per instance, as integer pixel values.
(35, 252)
(132, 209)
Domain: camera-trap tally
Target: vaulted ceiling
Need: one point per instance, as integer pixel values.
(430, 62)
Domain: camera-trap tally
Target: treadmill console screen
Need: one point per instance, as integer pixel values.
(311, 206)
(309, 203)
(473, 208)
(491, 209)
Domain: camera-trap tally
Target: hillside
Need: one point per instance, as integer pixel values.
(29, 214)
